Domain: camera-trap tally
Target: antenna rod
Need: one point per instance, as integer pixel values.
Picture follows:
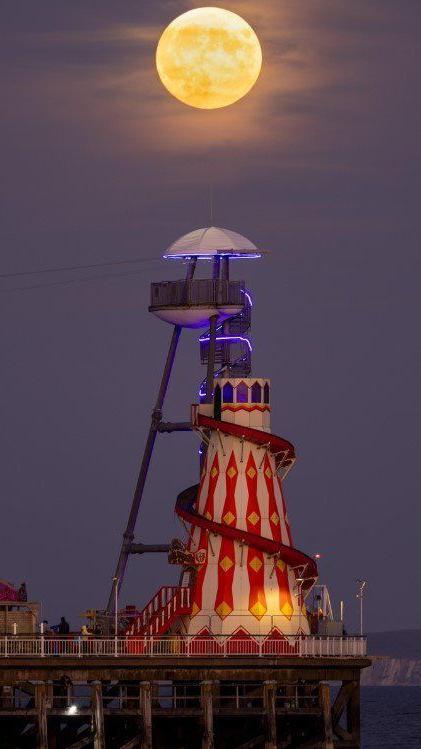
(211, 203)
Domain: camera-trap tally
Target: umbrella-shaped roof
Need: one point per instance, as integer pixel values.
(210, 241)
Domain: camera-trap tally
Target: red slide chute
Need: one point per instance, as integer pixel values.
(186, 501)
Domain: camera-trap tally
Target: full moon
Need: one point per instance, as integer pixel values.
(208, 58)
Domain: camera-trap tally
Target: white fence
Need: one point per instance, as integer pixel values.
(183, 646)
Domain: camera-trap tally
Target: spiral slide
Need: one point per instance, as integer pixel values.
(185, 505)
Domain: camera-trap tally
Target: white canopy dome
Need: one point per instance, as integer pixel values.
(210, 241)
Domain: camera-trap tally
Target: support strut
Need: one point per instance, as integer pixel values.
(216, 269)
(156, 418)
(149, 548)
(211, 359)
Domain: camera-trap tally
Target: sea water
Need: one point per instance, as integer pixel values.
(391, 717)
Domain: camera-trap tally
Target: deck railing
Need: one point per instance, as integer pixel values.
(173, 646)
(200, 292)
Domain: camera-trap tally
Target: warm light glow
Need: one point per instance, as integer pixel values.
(208, 58)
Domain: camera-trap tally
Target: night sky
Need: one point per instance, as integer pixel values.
(319, 165)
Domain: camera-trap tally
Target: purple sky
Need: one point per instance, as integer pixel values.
(320, 164)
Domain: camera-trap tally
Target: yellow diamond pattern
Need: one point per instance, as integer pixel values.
(223, 610)
(255, 564)
(268, 473)
(280, 565)
(251, 472)
(258, 610)
(195, 610)
(228, 517)
(214, 471)
(231, 472)
(253, 518)
(274, 518)
(226, 563)
(287, 609)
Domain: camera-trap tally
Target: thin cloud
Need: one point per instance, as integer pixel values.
(314, 60)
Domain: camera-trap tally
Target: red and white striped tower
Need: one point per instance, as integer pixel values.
(246, 579)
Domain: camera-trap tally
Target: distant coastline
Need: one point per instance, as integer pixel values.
(396, 658)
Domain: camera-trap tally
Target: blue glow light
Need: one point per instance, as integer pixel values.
(205, 339)
(247, 295)
(202, 393)
(231, 255)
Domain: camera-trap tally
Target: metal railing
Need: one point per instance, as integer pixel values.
(174, 646)
(161, 609)
(202, 292)
(156, 604)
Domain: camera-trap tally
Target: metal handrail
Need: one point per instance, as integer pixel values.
(306, 646)
(200, 292)
(167, 602)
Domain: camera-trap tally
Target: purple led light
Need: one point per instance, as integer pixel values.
(247, 295)
(237, 256)
(241, 255)
(216, 374)
(204, 339)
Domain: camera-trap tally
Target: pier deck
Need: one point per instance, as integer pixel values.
(183, 702)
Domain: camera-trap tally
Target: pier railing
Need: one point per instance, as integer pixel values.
(173, 646)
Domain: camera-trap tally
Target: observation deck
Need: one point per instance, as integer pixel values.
(192, 303)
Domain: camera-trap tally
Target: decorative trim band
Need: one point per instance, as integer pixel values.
(245, 407)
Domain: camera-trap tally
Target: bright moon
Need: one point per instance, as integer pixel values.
(208, 58)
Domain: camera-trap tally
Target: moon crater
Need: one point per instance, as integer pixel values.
(208, 58)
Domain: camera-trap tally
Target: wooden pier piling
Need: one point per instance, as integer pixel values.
(98, 715)
(41, 707)
(269, 688)
(146, 712)
(324, 696)
(206, 689)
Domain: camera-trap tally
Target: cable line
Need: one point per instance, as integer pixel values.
(78, 267)
(74, 280)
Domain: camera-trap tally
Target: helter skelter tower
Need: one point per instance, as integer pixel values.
(241, 573)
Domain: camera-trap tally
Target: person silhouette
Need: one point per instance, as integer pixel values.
(63, 627)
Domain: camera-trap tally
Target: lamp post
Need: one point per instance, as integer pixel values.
(318, 597)
(300, 581)
(360, 595)
(115, 581)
